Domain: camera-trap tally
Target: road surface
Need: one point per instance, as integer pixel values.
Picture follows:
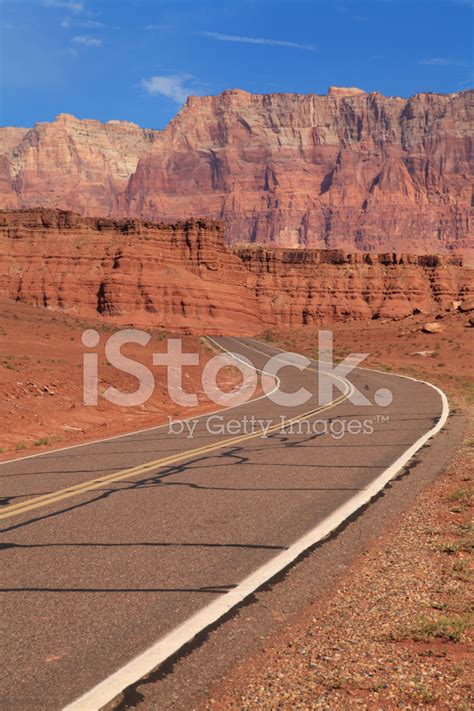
(117, 552)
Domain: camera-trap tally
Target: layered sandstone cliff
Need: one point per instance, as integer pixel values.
(183, 277)
(348, 170)
(70, 163)
(177, 277)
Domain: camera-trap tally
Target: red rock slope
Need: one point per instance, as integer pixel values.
(351, 170)
(183, 278)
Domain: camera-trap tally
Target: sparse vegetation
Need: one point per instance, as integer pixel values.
(461, 570)
(269, 337)
(444, 627)
(455, 546)
(461, 495)
(42, 441)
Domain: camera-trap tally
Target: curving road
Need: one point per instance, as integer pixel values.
(116, 553)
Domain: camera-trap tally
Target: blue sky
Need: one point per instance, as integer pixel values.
(139, 59)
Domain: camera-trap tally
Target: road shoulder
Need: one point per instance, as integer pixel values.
(260, 631)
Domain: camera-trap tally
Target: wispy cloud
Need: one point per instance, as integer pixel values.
(73, 22)
(443, 62)
(87, 41)
(10, 26)
(174, 87)
(71, 5)
(468, 82)
(258, 40)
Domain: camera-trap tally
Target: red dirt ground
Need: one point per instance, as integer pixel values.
(41, 382)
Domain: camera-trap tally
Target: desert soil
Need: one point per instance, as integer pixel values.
(41, 375)
(395, 631)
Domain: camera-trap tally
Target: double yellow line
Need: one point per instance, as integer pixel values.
(93, 484)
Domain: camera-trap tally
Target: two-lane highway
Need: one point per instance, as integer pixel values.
(118, 552)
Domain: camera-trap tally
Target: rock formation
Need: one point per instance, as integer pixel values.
(183, 277)
(350, 170)
(70, 163)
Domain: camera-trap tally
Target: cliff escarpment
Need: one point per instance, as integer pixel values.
(183, 277)
(352, 170)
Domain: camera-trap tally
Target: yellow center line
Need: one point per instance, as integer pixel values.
(92, 484)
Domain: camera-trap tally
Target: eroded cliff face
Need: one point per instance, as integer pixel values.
(71, 163)
(309, 287)
(351, 170)
(178, 277)
(182, 277)
(348, 170)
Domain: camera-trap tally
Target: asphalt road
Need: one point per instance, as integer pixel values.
(150, 528)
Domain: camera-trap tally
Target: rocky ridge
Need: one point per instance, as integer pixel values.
(183, 277)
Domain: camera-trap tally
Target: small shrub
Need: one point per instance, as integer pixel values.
(447, 628)
(462, 495)
(41, 442)
(461, 570)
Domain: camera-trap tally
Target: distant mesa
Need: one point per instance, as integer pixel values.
(351, 170)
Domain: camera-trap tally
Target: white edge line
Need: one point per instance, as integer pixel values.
(154, 656)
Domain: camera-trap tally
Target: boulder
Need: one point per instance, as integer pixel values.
(433, 327)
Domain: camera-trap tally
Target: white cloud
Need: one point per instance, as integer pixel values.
(443, 62)
(71, 5)
(172, 86)
(258, 40)
(87, 41)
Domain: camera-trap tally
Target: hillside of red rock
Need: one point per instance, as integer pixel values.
(352, 170)
(184, 278)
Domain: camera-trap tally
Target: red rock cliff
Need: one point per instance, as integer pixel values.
(71, 163)
(348, 170)
(182, 277)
